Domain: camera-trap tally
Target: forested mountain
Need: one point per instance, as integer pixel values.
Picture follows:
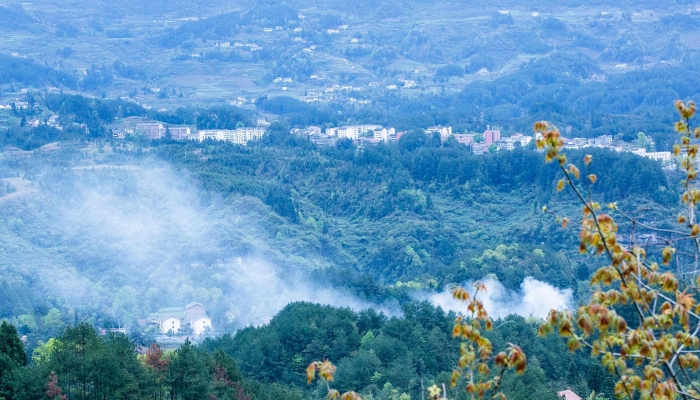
(302, 250)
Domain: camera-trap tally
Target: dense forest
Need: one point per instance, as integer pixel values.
(301, 252)
(383, 358)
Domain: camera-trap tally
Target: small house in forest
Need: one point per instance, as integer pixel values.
(191, 318)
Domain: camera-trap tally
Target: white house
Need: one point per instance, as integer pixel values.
(443, 131)
(200, 324)
(171, 324)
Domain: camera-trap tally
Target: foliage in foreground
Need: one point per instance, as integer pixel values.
(643, 319)
(475, 356)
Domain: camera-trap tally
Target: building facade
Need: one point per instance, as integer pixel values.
(239, 136)
(151, 130)
(492, 136)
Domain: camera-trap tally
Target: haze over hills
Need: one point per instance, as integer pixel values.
(255, 157)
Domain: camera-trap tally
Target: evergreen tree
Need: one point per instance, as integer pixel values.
(12, 354)
(188, 376)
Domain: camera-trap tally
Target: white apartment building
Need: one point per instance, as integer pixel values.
(353, 131)
(443, 131)
(663, 156)
(239, 136)
(384, 134)
(510, 142)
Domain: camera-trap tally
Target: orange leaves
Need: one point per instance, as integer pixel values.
(686, 111)
(573, 170)
(560, 185)
(517, 358)
(549, 139)
(566, 328)
(332, 394)
(695, 230)
(310, 373)
(667, 254)
(585, 323)
(325, 369)
(668, 282)
(573, 344)
(689, 360)
(454, 378)
(350, 396)
(476, 351)
(460, 294)
(649, 357)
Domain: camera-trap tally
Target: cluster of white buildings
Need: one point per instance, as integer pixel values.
(174, 320)
(361, 134)
(239, 135)
(606, 141)
(354, 132)
(156, 130)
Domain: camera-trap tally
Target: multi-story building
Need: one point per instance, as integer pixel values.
(441, 130)
(510, 142)
(464, 138)
(601, 141)
(152, 130)
(663, 156)
(492, 136)
(385, 134)
(179, 132)
(54, 120)
(353, 131)
(239, 136)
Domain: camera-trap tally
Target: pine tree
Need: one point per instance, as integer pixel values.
(12, 354)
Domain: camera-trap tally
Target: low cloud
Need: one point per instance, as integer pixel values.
(127, 240)
(535, 298)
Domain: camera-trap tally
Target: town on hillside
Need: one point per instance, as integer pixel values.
(491, 140)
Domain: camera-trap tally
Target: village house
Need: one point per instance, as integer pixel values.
(443, 131)
(601, 141)
(54, 121)
(119, 134)
(307, 132)
(464, 138)
(480, 148)
(174, 320)
(323, 140)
